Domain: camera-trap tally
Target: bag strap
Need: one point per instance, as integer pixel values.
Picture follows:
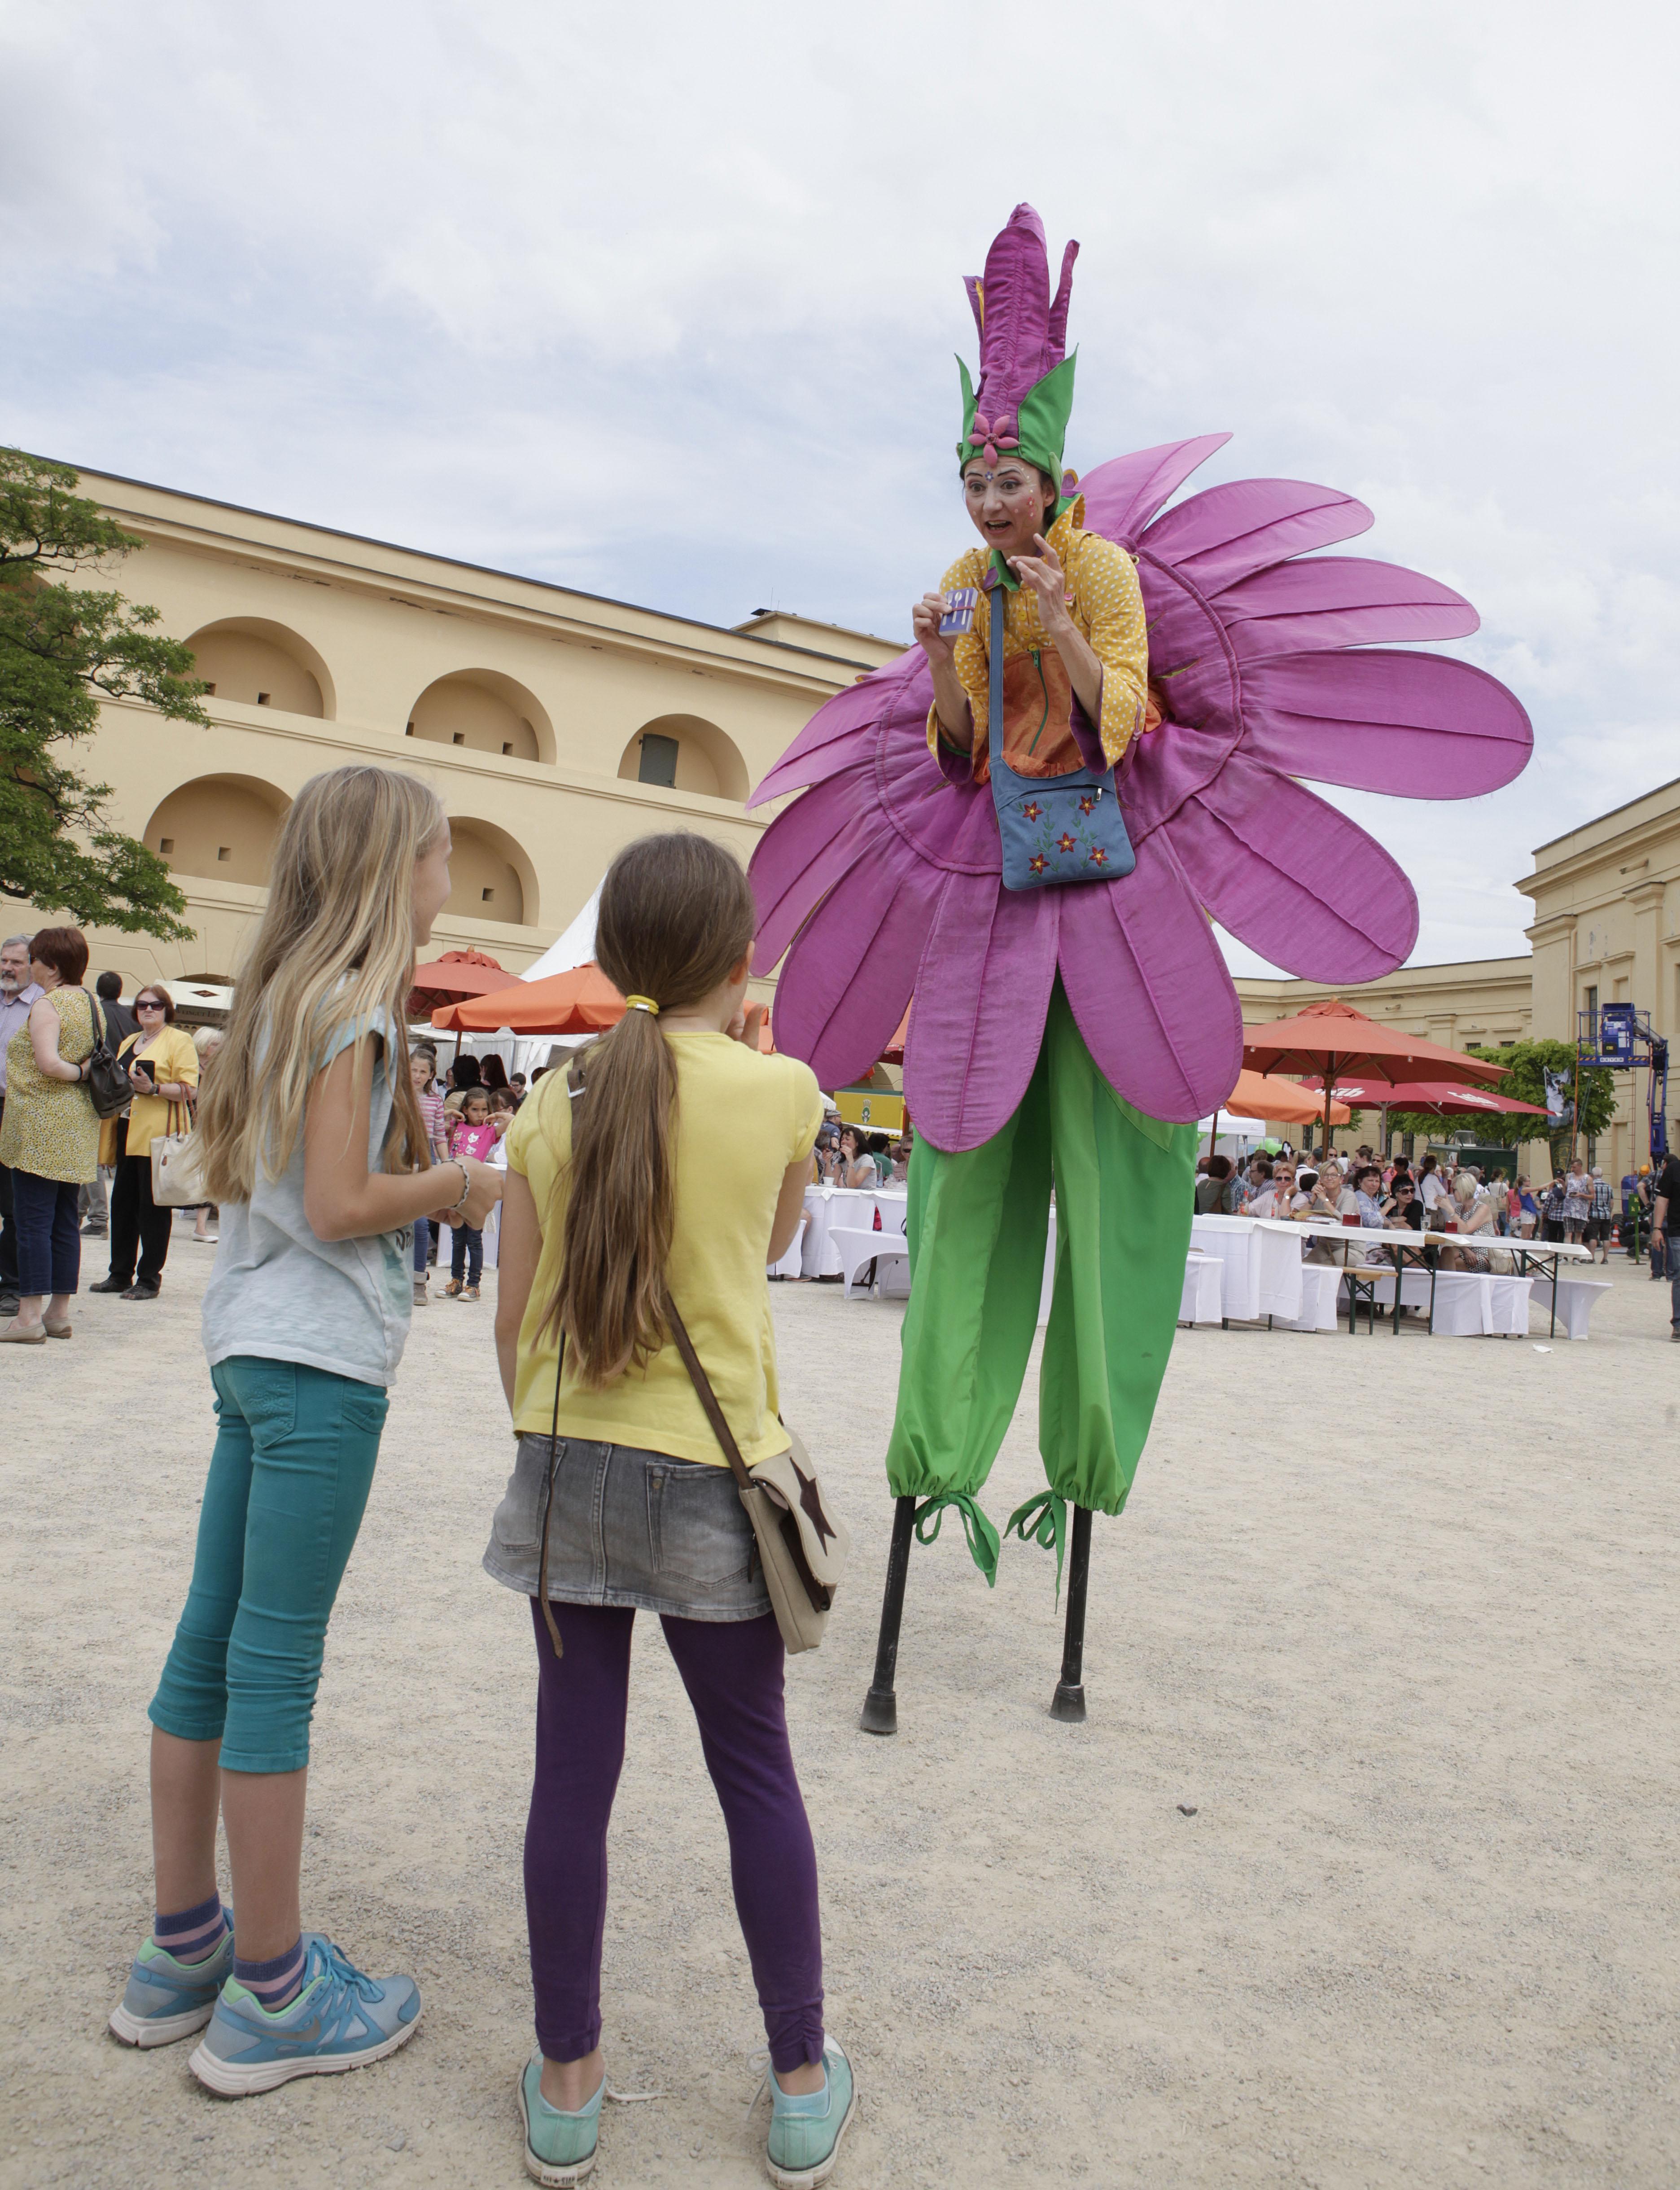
(705, 1394)
(994, 678)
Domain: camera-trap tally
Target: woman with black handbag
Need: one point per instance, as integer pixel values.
(671, 1170)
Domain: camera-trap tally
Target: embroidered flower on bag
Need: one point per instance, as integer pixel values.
(1099, 858)
(1086, 803)
(1038, 862)
(1066, 843)
(1032, 810)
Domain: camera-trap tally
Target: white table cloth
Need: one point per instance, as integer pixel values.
(1577, 1297)
(825, 1205)
(792, 1263)
(1320, 1284)
(1261, 1258)
(1203, 1289)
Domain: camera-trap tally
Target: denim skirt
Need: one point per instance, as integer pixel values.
(628, 1528)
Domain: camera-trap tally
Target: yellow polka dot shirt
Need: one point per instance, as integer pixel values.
(1105, 603)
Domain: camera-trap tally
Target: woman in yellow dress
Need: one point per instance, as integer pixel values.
(163, 1072)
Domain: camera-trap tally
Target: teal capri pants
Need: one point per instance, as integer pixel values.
(288, 1483)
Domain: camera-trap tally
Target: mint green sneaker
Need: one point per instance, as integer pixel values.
(559, 2147)
(805, 2133)
(165, 1999)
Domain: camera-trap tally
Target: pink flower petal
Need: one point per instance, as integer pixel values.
(1337, 600)
(1149, 988)
(805, 851)
(1229, 532)
(849, 974)
(981, 996)
(865, 703)
(1122, 496)
(1417, 725)
(1293, 878)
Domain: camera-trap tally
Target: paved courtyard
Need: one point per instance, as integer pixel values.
(1363, 1871)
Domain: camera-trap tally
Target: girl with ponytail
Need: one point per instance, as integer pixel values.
(678, 1165)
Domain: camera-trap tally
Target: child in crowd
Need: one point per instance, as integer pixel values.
(473, 1137)
(422, 1067)
(682, 1164)
(316, 1155)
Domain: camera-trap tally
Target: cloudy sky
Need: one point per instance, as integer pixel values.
(661, 301)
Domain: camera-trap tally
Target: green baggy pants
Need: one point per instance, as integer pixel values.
(978, 1225)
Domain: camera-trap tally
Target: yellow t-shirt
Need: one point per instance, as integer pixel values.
(172, 1057)
(741, 1119)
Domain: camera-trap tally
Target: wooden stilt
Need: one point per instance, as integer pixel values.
(1068, 1704)
(880, 1707)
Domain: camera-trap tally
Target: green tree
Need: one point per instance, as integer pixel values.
(1526, 1065)
(61, 646)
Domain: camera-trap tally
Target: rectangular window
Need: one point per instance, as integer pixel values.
(224, 851)
(209, 691)
(487, 897)
(658, 761)
(1592, 1000)
(166, 843)
(506, 746)
(459, 738)
(263, 699)
(409, 732)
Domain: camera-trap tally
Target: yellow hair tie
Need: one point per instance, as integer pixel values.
(642, 1004)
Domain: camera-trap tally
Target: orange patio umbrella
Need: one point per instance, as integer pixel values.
(1257, 1095)
(582, 1001)
(1334, 1039)
(456, 975)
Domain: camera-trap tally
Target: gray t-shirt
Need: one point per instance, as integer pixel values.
(278, 1292)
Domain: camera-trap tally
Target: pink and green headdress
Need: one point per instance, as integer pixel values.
(1026, 378)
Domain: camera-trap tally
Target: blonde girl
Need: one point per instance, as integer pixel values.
(317, 1155)
(682, 1164)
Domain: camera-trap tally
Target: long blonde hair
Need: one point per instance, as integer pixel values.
(335, 946)
(676, 916)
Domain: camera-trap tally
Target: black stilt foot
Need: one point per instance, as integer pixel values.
(1068, 1704)
(879, 1706)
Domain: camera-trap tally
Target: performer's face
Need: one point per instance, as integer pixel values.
(1006, 504)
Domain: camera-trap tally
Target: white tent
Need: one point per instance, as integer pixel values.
(576, 947)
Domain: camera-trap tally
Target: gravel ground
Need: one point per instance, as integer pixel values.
(1361, 1873)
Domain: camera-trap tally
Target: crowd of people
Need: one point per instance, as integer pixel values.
(1471, 1207)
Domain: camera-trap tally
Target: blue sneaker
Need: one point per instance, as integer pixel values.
(340, 2020)
(805, 2133)
(559, 2147)
(165, 1999)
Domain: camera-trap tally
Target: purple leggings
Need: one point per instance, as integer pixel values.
(733, 1672)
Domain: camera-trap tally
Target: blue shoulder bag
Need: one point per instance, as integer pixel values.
(1055, 829)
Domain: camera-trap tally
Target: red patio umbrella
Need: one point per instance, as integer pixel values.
(458, 974)
(1335, 1041)
(1426, 1095)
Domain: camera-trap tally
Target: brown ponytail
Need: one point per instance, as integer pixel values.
(676, 916)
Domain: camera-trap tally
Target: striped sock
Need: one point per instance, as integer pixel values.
(275, 1984)
(191, 1934)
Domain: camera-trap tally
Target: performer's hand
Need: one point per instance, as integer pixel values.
(924, 622)
(1044, 573)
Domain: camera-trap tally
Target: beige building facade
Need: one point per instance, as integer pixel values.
(555, 726)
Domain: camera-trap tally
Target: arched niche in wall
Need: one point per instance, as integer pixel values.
(485, 711)
(491, 878)
(222, 827)
(265, 665)
(685, 752)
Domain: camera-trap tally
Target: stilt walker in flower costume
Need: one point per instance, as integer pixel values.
(1027, 823)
